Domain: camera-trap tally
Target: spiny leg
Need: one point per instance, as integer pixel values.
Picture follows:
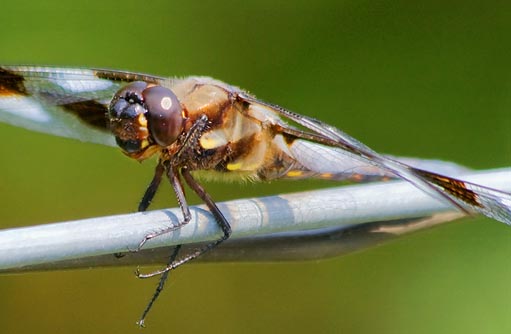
(219, 217)
(178, 189)
(144, 203)
(149, 195)
(159, 288)
(190, 141)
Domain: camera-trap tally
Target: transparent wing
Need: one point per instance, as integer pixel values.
(466, 196)
(334, 163)
(64, 102)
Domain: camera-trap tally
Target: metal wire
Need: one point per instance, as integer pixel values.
(384, 207)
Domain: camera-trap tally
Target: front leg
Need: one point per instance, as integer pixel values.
(175, 181)
(151, 189)
(170, 164)
(219, 217)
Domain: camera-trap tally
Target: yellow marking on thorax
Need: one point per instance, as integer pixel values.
(213, 139)
(234, 166)
(294, 173)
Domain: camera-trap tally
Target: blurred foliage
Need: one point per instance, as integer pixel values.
(429, 79)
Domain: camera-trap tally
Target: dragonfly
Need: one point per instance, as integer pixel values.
(201, 128)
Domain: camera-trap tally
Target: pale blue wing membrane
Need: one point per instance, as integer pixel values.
(342, 165)
(46, 91)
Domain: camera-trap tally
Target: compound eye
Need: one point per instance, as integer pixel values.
(164, 116)
(131, 95)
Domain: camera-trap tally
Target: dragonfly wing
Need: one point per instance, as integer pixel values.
(320, 161)
(62, 101)
(463, 195)
(337, 164)
(490, 202)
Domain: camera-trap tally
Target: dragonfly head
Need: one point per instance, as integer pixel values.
(145, 118)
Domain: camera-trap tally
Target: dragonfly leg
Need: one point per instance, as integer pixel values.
(180, 195)
(151, 189)
(159, 288)
(191, 140)
(219, 217)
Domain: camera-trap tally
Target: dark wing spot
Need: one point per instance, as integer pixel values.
(11, 83)
(454, 187)
(124, 76)
(288, 138)
(90, 111)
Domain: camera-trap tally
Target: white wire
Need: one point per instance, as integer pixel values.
(342, 206)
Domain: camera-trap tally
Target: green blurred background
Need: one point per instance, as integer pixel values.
(429, 79)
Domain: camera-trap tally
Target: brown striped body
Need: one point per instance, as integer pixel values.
(240, 141)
